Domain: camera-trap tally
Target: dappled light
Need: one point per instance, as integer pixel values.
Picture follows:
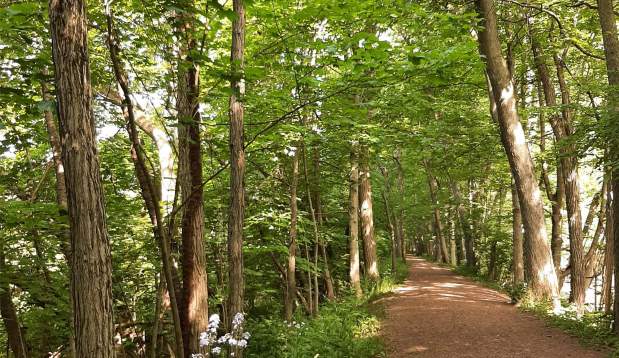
(437, 313)
(320, 179)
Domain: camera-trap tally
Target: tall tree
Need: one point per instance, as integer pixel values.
(464, 221)
(386, 194)
(91, 264)
(556, 197)
(237, 165)
(316, 204)
(611, 51)
(291, 284)
(438, 225)
(609, 257)
(151, 196)
(543, 279)
(562, 129)
(367, 216)
(194, 312)
(517, 252)
(397, 157)
(353, 224)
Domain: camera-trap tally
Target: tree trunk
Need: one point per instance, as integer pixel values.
(609, 257)
(392, 229)
(598, 198)
(463, 219)
(159, 309)
(543, 279)
(316, 287)
(400, 218)
(611, 51)
(438, 226)
(308, 284)
(592, 257)
(492, 264)
(91, 266)
(353, 225)
(317, 205)
(237, 167)
(452, 240)
(562, 130)
(556, 198)
(518, 253)
(147, 186)
(195, 287)
(367, 217)
(291, 284)
(556, 242)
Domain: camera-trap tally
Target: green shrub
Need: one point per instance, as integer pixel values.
(342, 329)
(592, 328)
(348, 327)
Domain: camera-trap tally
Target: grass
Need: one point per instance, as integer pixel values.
(347, 327)
(592, 329)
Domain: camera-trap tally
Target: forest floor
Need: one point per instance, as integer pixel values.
(437, 313)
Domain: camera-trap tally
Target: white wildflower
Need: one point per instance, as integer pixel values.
(237, 320)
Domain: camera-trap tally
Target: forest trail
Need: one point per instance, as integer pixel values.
(437, 313)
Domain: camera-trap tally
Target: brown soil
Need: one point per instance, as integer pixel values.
(437, 313)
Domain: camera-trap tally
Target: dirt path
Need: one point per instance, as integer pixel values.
(440, 314)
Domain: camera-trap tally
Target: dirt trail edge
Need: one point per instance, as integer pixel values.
(437, 313)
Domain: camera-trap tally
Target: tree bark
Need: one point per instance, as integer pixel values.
(386, 193)
(353, 224)
(543, 279)
(463, 219)
(492, 261)
(161, 289)
(556, 198)
(611, 51)
(308, 284)
(367, 217)
(194, 312)
(438, 226)
(598, 198)
(91, 266)
(562, 130)
(237, 166)
(397, 156)
(317, 205)
(147, 185)
(452, 241)
(609, 258)
(518, 252)
(291, 284)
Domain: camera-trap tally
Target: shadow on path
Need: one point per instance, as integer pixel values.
(437, 313)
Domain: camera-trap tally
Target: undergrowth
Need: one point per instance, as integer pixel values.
(592, 329)
(347, 327)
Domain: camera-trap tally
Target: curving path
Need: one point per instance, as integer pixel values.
(437, 313)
